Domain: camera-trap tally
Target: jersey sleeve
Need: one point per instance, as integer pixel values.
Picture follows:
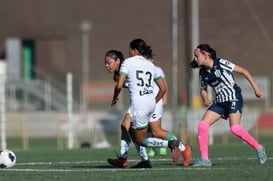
(159, 74)
(123, 68)
(227, 65)
(202, 83)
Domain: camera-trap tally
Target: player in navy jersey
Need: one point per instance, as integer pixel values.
(217, 73)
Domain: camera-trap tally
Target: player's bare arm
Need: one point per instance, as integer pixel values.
(162, 89)
(117, 89)
(205, 97)
(248, 76)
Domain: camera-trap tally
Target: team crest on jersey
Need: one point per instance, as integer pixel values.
(227, 62)
(217, 73)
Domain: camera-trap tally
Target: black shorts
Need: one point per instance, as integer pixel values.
(226, 108)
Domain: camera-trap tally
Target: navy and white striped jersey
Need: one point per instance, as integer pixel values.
(221, 79)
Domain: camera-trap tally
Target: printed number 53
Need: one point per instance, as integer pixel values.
(142, 77)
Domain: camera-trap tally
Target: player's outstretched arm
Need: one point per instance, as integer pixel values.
(248, 76)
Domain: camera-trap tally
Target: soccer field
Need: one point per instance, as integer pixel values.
(236, 161)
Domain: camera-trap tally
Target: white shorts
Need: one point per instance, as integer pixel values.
(157, 114)
(140, 111)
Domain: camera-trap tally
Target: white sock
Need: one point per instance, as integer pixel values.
(124, 147)
(156, 143)
(141, 150)
(181, 146)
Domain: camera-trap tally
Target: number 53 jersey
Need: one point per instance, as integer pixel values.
(140, 74)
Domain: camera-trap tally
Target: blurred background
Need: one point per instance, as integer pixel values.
(53, 81)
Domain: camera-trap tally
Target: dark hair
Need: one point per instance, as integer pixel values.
(142, 47)
(204, 48)
(115, 54)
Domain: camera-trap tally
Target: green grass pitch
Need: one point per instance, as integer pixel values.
(231, 162)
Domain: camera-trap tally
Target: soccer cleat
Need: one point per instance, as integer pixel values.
(143, 164)
(152, 153)
(118, 162)
(261, 155)
(173, 145)
(163, 151)
(187, 155)
(202, 163)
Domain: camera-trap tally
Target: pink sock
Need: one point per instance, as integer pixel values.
(203, 139)
(244, 135)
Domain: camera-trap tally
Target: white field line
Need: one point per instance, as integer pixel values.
(96, 169)
(152, 160)
(109, 169)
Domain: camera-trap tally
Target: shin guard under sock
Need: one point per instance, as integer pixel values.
(244, 135)
(203, 139)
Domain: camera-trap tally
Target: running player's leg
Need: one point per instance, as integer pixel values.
(122, 160)
(140, 115)
(157, 131)
(140, 136)
(125, 136)
(238, 131)
(145, 162)
(203, 126)
(234, 110)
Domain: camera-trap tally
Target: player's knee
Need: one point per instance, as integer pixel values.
(203, 126)
(235, 129)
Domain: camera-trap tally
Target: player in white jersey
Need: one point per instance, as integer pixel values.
(217, 73)
(113, 60)
(141, 75)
